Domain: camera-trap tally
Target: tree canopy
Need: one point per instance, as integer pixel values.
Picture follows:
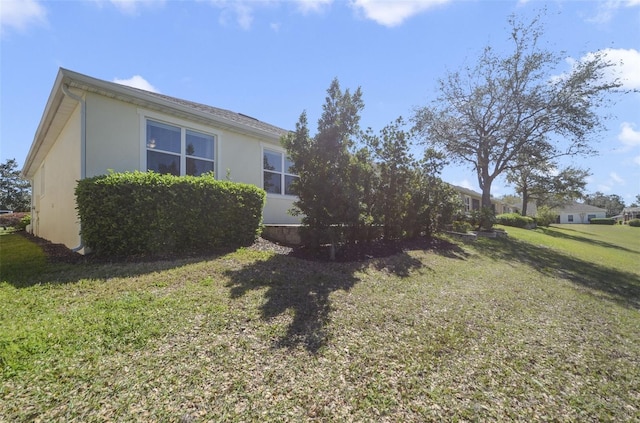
(548, 186)
(15, 192)
(613, 203)
(491, 115)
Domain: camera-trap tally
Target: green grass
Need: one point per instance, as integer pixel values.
(540, 326)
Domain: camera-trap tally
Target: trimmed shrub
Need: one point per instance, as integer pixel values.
(634, 222)
(15, 220)
(148, 213)
(602, 221)
(515, 220)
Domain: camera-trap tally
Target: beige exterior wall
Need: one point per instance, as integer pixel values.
(53, 188)
(113, 136)
(115, 133)
(238, 156)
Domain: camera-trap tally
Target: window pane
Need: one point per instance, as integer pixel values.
(288, 189)
(272, 183)
(163, 137)
(197, 167)
(199, 145)
(163, 163)
(288, 164)
(272, 161)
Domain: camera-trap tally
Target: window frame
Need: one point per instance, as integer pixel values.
(283, 173)
(570, 218)
(184, 126)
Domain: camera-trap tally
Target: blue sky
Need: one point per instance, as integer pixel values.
(274, 59)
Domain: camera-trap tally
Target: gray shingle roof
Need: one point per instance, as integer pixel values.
(580, 208)
(223, 113)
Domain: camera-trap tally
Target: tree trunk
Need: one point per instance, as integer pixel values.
(525, 201)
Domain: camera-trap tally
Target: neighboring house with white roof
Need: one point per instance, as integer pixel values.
(579, 213)
(90, 127)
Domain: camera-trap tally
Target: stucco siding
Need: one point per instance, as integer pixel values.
(580, 217)
(55, 217)
(276, 211)
(241, 155)
(113, 136)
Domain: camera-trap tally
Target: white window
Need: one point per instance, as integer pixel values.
(277, 175)
(178, 150)
(570, 218)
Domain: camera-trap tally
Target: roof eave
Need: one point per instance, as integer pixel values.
(50, 110)
(140, 98)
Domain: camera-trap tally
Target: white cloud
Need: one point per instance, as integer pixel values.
(616, 178)
(240, 11)
(607, 9)
(131, 7)
(627, 66)
(20, 14)
(629, 136)
(137, 81)
(636, 160)
(313, 6)
(393, 13)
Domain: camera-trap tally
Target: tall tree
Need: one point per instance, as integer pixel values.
(503, 108)
(15, 192)
(394, 164)
(325, 195)
(546, 186)
(613, 203)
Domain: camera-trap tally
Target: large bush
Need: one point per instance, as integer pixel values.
(515, 220)
(148, 213)
(545, 216)
(634, 222)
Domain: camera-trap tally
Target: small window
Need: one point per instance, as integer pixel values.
(178, 151)
(277, 174)
(591, 216)
(570, 218)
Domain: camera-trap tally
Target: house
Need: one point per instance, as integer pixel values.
(472, 200)
(90, 127)
(579, 213)
(629, 213)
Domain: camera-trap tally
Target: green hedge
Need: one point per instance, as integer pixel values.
(515, 220)
(602, 221)
(635, 222)
(148, 213)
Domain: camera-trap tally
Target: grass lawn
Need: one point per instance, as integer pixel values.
(543, 325)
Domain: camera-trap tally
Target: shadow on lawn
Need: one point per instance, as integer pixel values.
(557, 234)
(305, 287)
(621, 287)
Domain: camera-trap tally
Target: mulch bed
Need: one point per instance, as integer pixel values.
(59, 253)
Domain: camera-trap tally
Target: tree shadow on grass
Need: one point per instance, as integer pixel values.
(304, 287)
(604, 244)
(619, 286)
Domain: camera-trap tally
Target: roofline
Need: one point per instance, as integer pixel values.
(127, 94)
(50, 110)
